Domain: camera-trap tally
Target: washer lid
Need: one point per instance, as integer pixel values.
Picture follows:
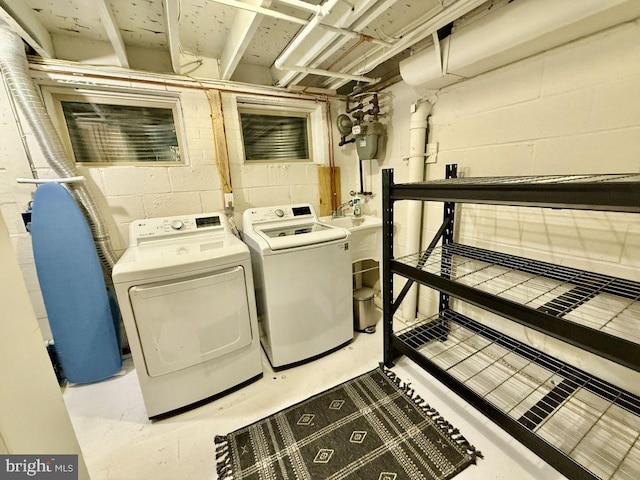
(296, 235)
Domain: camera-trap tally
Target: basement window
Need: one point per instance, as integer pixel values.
(275, 133)
(108, 128)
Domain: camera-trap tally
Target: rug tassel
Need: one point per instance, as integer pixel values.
(452, 431)
(223, 459)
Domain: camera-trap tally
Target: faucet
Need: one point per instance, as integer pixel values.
(340, 209)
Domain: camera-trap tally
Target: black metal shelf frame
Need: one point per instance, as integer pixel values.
(593, 192)
(546, 401)
(619, 193)
(614, 348)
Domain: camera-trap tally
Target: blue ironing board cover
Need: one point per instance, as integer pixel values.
(85, 334)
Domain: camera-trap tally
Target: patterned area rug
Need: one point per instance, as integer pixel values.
(373, 427)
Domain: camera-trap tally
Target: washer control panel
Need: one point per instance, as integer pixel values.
(158, 228)
(284, 212)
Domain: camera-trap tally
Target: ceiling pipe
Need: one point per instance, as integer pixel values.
(352, 34)
(303, 34)
(328, 73)
(366, 14)
(412, 36)
(309, 25)
(517, 30)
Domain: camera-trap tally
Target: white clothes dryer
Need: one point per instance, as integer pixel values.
(185, 289)
(302, 273)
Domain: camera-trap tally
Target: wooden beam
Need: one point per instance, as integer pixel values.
(241, 33)
(220, 140)
(171, 9)
(328, 189)
(21, 19)
(113, 32)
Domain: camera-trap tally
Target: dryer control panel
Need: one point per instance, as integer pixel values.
(169, 227)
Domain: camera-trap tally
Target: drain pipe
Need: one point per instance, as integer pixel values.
(417, 149)
(15, 72)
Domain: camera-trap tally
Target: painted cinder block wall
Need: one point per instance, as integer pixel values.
(573, 109)
(127, 193)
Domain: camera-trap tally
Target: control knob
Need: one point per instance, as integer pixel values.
(280, 212)
(177, 224)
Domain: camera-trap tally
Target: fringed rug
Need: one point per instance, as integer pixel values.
(373, 427)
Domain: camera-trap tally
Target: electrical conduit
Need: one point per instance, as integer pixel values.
(15, 71)
(417, 149)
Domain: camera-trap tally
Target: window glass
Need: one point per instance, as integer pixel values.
(274, 136)
(112, 133)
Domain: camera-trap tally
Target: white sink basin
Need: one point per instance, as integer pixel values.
(364, 222)
(366, 235)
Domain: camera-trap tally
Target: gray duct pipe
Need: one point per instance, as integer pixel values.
(15, 71)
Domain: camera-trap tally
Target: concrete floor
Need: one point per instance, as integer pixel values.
(120, 443)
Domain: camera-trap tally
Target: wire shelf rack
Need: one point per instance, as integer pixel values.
(606, 192)
(536, 179)
(587, 419)
(604, 303)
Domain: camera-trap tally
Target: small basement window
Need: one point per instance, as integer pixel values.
(101, 128)
(275, 134)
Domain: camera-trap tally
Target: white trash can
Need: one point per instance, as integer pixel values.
(364, 310)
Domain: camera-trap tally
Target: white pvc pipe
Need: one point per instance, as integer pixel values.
(329, 73)
(304, 33)
(352, 34)
(417, 149)
(380, 54)
(365, 13)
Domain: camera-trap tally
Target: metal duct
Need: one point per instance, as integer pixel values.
(15, 71)
(513, 32)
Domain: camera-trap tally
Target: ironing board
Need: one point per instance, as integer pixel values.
(84, 327)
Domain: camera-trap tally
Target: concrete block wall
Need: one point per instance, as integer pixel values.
(127, 193)
(260, 184)
(573, 109)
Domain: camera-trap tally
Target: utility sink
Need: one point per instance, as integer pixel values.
(366, 235)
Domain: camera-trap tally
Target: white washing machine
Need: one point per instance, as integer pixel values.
(302, 273)
(185, 289)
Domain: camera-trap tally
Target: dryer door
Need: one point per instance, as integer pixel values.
(189, 321)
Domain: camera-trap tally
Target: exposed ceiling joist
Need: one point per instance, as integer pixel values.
(301, 4)
(18, 15)
(242, 31)
(265, 11)
(171, 10)
(110, 25)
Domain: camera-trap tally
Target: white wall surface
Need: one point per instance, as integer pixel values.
(127, 193)
(33, 417)
(573, 109)
(123, 193)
